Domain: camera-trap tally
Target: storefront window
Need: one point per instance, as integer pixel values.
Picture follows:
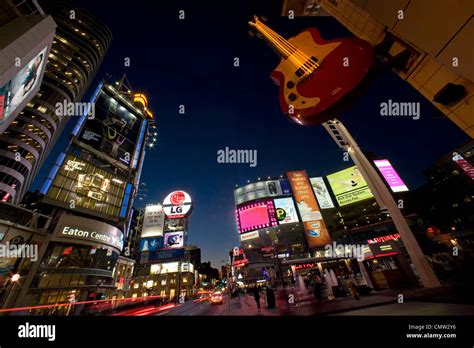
(81, 256)
(59, 257)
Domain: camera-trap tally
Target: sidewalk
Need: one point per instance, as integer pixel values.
(305, 305)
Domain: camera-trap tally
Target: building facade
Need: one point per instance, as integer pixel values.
(91, 188)
(78, 48)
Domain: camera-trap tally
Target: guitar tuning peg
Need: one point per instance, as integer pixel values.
(264, 19)
(251, 33)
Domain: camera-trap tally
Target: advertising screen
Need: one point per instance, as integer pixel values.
(261, 189)
(254, 216)
(349, 186)
(162, 255)
(285, 210)
(153, 221)
(15, 91)
(173, 240)
(151, 244)
(316, 232)
(172, 225)
(80, 184)
(114, 130)
(464, 165)
(322, 193)
(171, 267)
(391, 176)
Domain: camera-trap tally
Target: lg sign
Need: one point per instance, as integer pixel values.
(177, 198)
(177, 204)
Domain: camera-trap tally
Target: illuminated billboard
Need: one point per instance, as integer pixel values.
(254, 216)
(19, 88)
(322, 193)
(172, 225)
(151, 244)
(114, 130)
(177, 205)
(162, 255)
(349, 186)
(464, 165)
(77, 184)
(261, 189)
(173, 240)
(391, 176)
(285, 210)
(153, 221)
(171, 267)
(316, 232)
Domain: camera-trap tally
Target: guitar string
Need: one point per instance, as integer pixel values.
(298, 64)
(306, 60)
(280, 47)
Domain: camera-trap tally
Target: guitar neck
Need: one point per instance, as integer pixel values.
(280, 44)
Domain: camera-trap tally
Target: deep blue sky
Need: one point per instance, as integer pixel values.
(190, 62)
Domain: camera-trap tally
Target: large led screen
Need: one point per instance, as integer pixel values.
(322, 193)
(173, 225)
(114, 129)
(285, 210)
(261, 189)
(174, 240)
(151, 244)
(15, 91)
(254, 216)
(391, 176)
(349, 186)
(80, 184)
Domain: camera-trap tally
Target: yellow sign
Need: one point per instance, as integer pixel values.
(349, 186)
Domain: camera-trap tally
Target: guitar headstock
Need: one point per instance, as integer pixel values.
(253, 23)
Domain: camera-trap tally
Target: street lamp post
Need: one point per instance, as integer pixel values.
(385, 200)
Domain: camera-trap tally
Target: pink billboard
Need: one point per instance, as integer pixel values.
(391, 176)
(465, 165)
(257, 215)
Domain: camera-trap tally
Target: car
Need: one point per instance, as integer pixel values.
(216, 298)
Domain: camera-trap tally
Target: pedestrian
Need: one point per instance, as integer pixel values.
(270, 297)
(317, 289)
(353, 288)
(256, 295)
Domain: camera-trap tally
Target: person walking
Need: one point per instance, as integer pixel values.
(270, 297)
(256, 295)
(355, 292)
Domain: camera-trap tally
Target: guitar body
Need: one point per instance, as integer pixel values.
(313, 99)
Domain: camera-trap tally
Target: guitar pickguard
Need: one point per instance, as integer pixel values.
(305, 43)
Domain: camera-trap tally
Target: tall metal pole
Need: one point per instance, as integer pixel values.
(385, 200)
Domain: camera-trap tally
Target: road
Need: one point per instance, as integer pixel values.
(244, 306)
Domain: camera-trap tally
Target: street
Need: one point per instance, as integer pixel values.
(244, 306)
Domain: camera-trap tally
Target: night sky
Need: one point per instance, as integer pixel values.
(191, 62)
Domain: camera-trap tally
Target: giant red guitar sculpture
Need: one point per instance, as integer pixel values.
(315, 76)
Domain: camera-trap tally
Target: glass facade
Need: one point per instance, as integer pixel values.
(88, 187)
